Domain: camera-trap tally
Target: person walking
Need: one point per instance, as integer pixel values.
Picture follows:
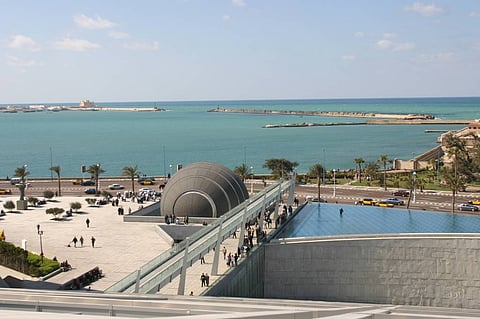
(75, 240)
(207, 279)
(202, 279)
(88, 223)
(224, 251)
(81, 241)
(93, 241)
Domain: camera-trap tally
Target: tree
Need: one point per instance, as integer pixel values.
(22, 172)
(57, 170)
(95, 170)
(91, 201)
(55, 211)
(371, 170)
(459, 172)
(33, 201)
(317, 172)
(280, 167)
(243, 171)
(48, 194)
(131, 172)
(384, 160)
(10, 205)
(359, 161)
(75, 206)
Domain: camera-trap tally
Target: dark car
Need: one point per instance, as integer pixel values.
(90, 191)
(395, 201)
(402, 193)
(467, 207)
(88, 183)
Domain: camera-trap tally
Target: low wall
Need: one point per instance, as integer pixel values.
(413, 269)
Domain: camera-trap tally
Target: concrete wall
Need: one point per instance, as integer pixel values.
(414, 269)
(245, 280)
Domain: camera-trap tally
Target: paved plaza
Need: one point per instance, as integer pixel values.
(120, 247)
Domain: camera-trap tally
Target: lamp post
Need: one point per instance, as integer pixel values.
(40, 234)
(414, 184)
(170, 171)
(251, 186)
(334, 188)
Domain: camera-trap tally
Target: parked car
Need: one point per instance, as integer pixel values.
(116, 186)
(384, 203)
(84, 183)
(4, 191)
(467, 207)
(474, 202)
(146, 182)
(369, 201)
(91, 191)
(401, 192)
(395, 201)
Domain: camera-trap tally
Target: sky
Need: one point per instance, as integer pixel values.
(54, 51)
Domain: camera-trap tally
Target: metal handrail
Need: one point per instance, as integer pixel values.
(163, 268)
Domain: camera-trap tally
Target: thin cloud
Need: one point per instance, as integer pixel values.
(349, 57)
(20, 64)
(359, 34)
(118, 35)
(75, 45)
(239, 3)
(474, 14)
(143, 46)
(426, 10)
(226, 17)
(437, 57)
(93, 23)
(23, 43)
(386, 44)
(389, 35)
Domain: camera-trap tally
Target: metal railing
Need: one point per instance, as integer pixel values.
(164, 268)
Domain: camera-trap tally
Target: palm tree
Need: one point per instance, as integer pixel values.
(384, 160)
(243, 171)
(95, 170)
(317, 171)
(57, 170)
(359, 161)
(131, 171)
(22, 172)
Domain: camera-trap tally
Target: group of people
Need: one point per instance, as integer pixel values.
(80, 240)
(205, 279)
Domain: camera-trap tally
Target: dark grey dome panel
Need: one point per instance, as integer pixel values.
(202, 190)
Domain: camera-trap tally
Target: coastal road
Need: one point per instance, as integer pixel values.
(344, 194)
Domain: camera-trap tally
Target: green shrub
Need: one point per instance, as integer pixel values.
(48, 194)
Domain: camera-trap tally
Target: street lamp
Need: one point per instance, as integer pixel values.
(40, 234)
(170, 172)
(251, 172)
(334, 188)
(414, 184)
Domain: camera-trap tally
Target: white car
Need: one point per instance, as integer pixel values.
(115, 186)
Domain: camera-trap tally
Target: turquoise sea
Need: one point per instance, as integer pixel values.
(187, 133)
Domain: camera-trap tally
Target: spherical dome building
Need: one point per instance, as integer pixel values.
(202, 190)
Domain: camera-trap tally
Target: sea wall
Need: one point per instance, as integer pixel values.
(441, 270)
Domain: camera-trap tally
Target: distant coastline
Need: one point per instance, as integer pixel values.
(328, 113)
(38, 108)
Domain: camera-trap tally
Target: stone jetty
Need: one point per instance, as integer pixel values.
(328, 113)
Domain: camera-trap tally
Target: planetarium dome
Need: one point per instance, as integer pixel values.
(202, 190)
